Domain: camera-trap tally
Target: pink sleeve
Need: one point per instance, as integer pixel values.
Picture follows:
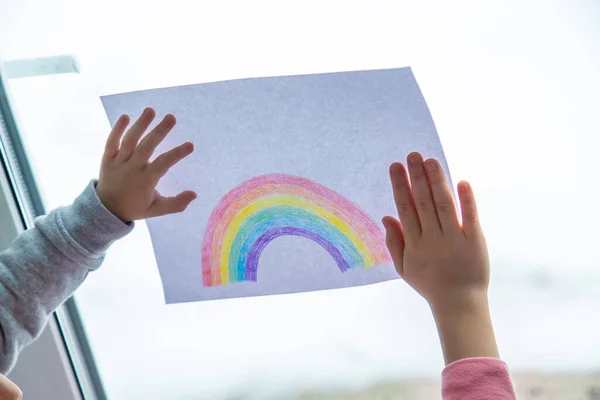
(477, 379)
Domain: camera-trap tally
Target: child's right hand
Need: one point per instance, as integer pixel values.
(445, 261)
(128, 179)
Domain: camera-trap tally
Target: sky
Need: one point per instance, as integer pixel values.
(513, 89)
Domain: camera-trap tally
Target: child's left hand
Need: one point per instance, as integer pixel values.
(127, 184)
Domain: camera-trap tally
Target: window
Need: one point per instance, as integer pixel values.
(513, 89)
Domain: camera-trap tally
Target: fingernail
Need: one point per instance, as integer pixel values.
(414, 158)
(431, 166)
(464, 186)
(189, 147)
(395, 168)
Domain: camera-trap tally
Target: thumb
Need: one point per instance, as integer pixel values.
(170, 205)
(394, 239)
(470, 218)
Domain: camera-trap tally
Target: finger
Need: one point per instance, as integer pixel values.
(134, 133)
(165, 161)
(170, 205)
(8, 390)
(394, 240)
(422, 194)
(113, 143)
(470, 217)
(442, 196)
(149, 143)
(404, 202)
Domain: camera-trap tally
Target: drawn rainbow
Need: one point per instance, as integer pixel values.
(264, 208)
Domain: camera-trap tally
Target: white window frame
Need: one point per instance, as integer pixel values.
(56, 365)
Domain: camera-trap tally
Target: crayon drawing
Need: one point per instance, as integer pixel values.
(264, 208)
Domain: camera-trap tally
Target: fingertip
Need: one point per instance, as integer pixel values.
(187, 197)
(189, 147)
(123, 119)
(149, 112)
(464, 187)
(170, 119)
(399, 177)
(414, 158)
(431, 164)
(397, 169)
(387, 221)
(392, 226)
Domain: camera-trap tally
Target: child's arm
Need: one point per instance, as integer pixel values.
(45, 264)
(447, 262)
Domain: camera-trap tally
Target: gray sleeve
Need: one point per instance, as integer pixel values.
(45, 264)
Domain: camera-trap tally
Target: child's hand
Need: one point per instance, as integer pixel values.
(127, 177)
(442, 260)
(445, 261)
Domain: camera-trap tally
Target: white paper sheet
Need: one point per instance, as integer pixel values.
(292, 180)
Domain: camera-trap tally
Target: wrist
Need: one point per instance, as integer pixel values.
(460, 304)
(107, 202)
(90, 224)
(465, 327)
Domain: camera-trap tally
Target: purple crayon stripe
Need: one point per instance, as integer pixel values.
(268, 236)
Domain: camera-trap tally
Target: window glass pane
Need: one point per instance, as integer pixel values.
(513, 89)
